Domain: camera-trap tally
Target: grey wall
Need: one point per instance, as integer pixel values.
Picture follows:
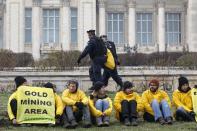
(139, 75)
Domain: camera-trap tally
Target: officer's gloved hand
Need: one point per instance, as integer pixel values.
(79, 105)
(195, 86)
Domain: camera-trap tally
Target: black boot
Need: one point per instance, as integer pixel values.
(134, 122)
(127, 122)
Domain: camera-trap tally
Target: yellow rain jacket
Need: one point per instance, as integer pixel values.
(181, 99)
(120, 96)
(148, 96)
(58, 104)
(97, 113)
(69, 99)
(10, 113)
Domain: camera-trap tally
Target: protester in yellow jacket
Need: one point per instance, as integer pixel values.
(58, 102)
(127, 103)
(157, 104)
(182, 100)
(76, 106)
(12, 102)
(100, 105)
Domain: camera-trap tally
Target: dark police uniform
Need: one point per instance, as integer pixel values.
(97, 52)
(112, 73)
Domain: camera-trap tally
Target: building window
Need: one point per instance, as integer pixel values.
(115, 27)
(173, 28)
(28, 26)
(74, 37)
(51, 26)
(144, 29)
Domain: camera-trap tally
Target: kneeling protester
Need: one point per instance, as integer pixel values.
(100, 105)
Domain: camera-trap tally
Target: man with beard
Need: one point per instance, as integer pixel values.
(157, 104)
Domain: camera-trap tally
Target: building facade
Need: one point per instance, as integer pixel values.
(42, 26)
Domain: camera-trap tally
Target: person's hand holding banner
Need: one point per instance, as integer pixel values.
(14, 122)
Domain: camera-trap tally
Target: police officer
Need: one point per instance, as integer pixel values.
(97, 52)
(107, 72)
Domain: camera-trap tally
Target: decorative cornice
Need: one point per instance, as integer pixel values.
(161, 3)
(101, 3)
(65, 3)
(131, 3)
(37, 2)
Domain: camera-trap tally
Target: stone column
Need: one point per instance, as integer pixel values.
(36, 29)
(14, 25)
(2, 27)
(65, 25)
(87, 21)
(22, 27)
(131, 23)
(161, 25)
(102, 20)
(191, 25)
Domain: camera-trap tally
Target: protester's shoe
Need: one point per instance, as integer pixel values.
(106, 121)
(134, 122)
(68, 126)
(74, 123)
(106, 124)
(169, 120)
(192, 116)
(127, 122)
(87, 125)
(161, 121)
(100, 124)
(99, 121)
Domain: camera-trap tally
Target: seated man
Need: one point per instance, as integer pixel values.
(58, 103)
(76, 106)
(12, 102)
(157, 104)
(182, 100)
(127, 103)
(100, 105)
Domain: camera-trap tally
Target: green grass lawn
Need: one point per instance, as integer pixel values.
(115, 125)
